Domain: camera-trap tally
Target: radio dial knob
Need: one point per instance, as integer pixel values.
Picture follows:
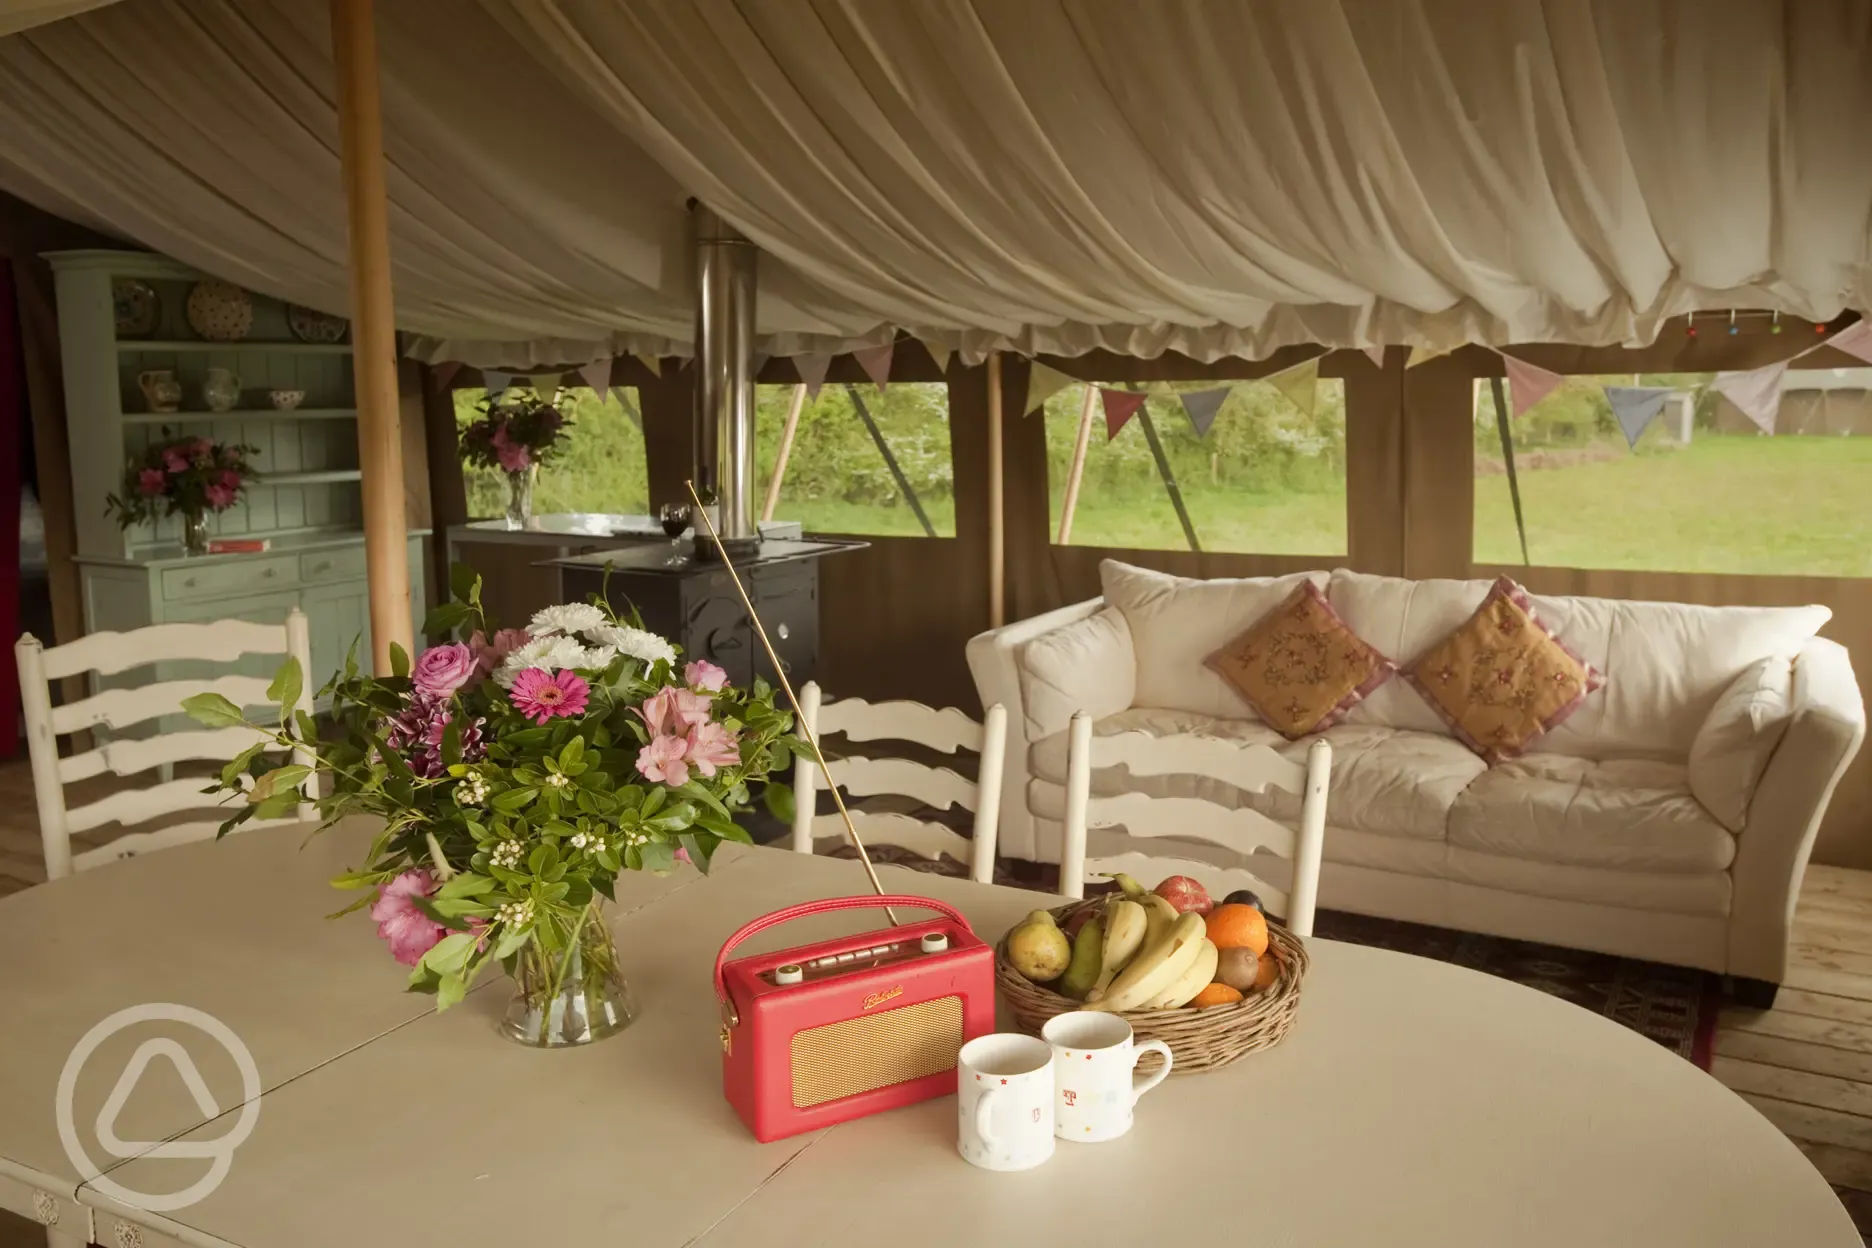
(789, 974)
(935, 942)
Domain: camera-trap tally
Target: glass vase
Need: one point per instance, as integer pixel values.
(520, 498)
(194, 533)
(569, 996)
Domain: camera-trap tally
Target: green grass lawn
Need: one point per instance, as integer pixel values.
(1141, 518)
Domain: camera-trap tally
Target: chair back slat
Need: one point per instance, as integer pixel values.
(1242, 829)
(129, 755)
(1251, 768)
(142, 805)
(937, 787)
(1219, 880)
(945, 728)
(120, 708)
(220, 642)
(919, 836)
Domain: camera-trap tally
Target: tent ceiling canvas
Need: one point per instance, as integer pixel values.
(1053, 175)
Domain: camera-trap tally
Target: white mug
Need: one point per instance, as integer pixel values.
(1093, 1059)
(1004, 1102)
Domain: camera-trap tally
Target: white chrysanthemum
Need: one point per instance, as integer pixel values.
(598, 657)
(573, 617)
(636, 642)
(546, 653)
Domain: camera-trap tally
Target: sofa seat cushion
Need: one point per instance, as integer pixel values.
(1384, 781)
(1622, 814)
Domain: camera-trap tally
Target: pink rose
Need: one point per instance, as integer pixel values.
(441, 670)
(219, 497)
(200, 447)
(175, 461)
(409, 932)
(703, 674)
(712, 746)
(662, 760)
(150, 482)
(513, 457)
(488, 654)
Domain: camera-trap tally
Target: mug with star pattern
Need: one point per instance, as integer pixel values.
(1004, 1102)
(1094, 1087)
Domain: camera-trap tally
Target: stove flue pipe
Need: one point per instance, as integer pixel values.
(726, 285)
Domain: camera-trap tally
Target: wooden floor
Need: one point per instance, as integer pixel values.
(1806, 1064)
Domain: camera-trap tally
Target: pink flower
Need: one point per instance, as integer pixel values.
(663, 760)
(150, 482)
(220, 495)
(541, 697)
(682, 856)
(712, 746)
(513, 457)
(488, 654)
(703, 674)
(409, 932)
(673, 710)
(441, 670)
(175, 461)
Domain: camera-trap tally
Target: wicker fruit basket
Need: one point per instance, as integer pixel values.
(1203, 1039)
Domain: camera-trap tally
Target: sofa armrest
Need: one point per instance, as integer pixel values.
(1827, 728)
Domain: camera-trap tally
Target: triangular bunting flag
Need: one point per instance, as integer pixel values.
(495, 381)
(759, 362)
(1042, 384)
(1423, 355)
(597, 375)
(876, 362)
(1528, 383)
(546, 384)
(1635, 407)
(1201, 407)
(650, 362)
(1375, 355)
(444, 373)
(1855, 340)
(1298, 384)
(1756, 393)
(1120, 406)
(812, 371)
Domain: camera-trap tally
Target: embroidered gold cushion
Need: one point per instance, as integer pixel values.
(1503, 678)
(1300, 667)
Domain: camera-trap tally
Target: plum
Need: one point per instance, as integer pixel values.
(1244, 897)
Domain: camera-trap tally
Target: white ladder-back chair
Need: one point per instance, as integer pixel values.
(1241, 831)
(946, 730)
(107, 654)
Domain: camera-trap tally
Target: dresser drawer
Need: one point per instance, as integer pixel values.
(345, 563)
(215, 579)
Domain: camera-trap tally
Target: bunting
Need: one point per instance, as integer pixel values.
(650, 362)
(1636, 407)
(1855, 340)
(444, 372)
(1528, 383)
(1120, 407)
(546, 384)
(496, 381)
(1299, 384)
(1756, 393)
(1374, 354)
(876, 362)
(1423, 355)
(1042, 384)
(1201, 407)
(597, 375)
(812, 370)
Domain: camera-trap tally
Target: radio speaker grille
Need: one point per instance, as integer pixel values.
(875, 1050)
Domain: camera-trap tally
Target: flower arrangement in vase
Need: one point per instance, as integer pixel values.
(517, 773)
(187, 477)
(517, 431)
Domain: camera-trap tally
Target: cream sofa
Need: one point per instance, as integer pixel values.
(1669, 818)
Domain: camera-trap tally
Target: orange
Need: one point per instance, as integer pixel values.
(1266, 972)
(1238, 927)
(1215, 994)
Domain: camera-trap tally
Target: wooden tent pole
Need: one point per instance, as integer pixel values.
(997, 520)
(373, 327)
(786, 449)
(1071, 502)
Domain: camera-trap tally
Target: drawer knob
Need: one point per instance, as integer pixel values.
(321, 566)
(270, 572)
(188, 582)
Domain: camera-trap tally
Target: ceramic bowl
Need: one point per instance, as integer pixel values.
(286, 400)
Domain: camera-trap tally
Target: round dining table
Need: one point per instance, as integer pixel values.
(1413, 1102)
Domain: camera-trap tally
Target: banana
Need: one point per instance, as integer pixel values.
(1125, 926)
(1154, 970)
(1132, 889)
(1193, 981)
(1159, 914)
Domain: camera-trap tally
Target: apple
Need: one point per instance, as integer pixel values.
(1185, 895)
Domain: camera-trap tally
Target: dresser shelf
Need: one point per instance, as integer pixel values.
(328, 477)
(242, 413)
(243, 344)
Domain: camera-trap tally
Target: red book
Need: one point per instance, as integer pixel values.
(238, 545)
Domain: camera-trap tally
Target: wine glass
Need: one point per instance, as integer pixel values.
(674, 517)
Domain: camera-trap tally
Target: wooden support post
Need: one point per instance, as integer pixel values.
(997, 514)
(786, 449)
(373, 327)
(1070, 503)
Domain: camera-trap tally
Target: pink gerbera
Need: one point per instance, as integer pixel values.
(540, 695)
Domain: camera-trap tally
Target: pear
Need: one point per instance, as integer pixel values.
(1038, 949)
(1087, 956)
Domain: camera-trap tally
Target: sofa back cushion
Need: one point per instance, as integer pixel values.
(1665, 663)
(1177, 622)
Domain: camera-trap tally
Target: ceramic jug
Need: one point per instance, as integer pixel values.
(160, 388)
(221, 391)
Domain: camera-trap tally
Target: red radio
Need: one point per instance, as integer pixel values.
(824, 1033)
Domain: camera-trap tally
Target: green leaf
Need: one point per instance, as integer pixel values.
(399, 661)
(427, 908)
(465, 584)
(350, 658)
(543, 859)
(674, 820)
(288, 684)
(450, 991)
(700, 850)
(237, 766)
(734, 832)
(277, 807)
(573, 756)
(451, 742)
(308, 728)
(658, 857)
(466, 885)
(779, 801)
(446, 618)
(280, 782)
(512, 940)
(213, 710)
(450, 955)
(512, 800)
(653, 802)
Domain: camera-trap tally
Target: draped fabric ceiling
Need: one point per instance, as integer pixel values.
(1048, 175)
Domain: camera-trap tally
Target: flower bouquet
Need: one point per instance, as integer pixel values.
(517, 773)
(186, 477)
(517, 429)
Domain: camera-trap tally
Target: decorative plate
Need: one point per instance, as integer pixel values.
(137, 307)
(310, 325)
(220, 311)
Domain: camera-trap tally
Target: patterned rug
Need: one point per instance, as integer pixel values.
(1672, 1005)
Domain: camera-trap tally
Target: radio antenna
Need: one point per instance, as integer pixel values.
(806, 729)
